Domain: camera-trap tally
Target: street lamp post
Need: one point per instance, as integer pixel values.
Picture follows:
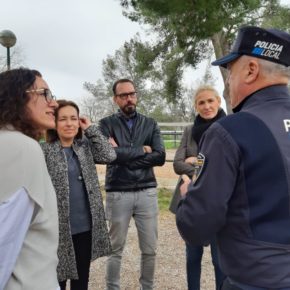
(7, 39)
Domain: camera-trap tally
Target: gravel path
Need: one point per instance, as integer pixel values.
(170, 269)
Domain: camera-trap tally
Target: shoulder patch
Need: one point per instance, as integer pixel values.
(198, 167)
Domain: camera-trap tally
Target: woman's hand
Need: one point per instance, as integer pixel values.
(191, 160)
(85, 122)
(184, 186)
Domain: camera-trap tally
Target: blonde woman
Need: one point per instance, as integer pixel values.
(207, 106)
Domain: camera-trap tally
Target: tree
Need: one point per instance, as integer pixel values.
(186, 30)
(130, 61)
(99, 103)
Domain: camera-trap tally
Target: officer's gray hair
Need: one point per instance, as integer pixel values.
(205, 88)
(269, 67)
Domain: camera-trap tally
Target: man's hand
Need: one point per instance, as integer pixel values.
(147, 149)
(184, 186)
(113, 142)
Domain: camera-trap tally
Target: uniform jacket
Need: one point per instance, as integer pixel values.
(94, 149)
(242, 192)
(133, 169)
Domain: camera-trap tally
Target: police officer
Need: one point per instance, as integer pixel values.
(242, 192)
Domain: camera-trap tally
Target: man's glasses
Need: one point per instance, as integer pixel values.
(125, 96)
(44, 92)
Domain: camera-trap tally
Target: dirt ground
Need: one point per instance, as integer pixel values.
(170, 273)
(170, 264)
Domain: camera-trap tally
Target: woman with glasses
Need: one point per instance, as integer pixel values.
(28, 209)
(71, 160)
(207, 105)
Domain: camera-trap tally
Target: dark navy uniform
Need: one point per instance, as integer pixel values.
(242, 191)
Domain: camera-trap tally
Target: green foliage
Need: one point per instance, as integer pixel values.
(190, 20)
(277, 16)
(171, 141)
(186, 30)
(171, 145)
(134, 61)
(164, 198)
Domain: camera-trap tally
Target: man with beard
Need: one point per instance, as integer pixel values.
(130, 182)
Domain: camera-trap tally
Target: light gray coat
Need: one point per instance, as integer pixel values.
(90, 150)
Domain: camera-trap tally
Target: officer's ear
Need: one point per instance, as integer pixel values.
(253, 69)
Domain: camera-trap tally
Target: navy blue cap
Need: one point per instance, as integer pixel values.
(269, 44)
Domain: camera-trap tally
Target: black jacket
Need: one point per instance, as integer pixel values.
(133, 169)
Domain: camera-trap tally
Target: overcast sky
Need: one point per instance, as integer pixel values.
(66, 40)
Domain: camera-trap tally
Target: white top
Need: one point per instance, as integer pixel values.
(15, 217)
(24, 176)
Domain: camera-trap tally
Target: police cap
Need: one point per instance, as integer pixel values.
(269, 44)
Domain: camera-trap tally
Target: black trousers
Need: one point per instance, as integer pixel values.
(82, 246)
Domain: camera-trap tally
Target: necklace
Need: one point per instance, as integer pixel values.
(72, 164)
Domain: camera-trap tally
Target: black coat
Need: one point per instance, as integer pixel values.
(133, 169)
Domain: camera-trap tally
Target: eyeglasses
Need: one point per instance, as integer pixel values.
(44, 92)
(124, 96)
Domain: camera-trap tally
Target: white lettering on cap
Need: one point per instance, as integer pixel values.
(270, 53)
(269, 45)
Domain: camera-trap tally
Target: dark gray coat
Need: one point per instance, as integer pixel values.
(187, 148)
(90, 150)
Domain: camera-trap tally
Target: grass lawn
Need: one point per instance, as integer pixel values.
(164, 198)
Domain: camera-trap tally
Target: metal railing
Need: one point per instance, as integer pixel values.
(175, 134)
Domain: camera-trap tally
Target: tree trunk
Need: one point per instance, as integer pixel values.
(220, 46)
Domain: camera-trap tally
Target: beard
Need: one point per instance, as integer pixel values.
(129, 109)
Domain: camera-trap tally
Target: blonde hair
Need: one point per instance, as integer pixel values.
(205, 88)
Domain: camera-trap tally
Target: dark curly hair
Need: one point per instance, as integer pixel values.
(51, 134)
(13, 100)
